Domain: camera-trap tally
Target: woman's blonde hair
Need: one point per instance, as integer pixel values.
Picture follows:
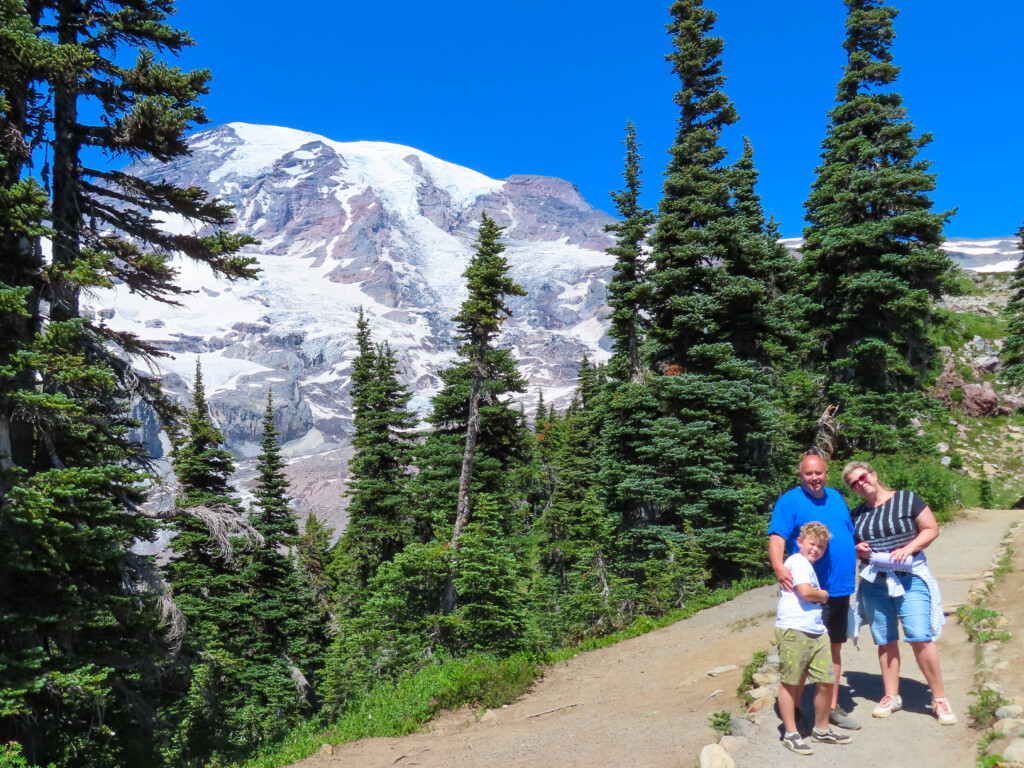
(855, 465)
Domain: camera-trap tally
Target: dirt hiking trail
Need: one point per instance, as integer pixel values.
(646, 701)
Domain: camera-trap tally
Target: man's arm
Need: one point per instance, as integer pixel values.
(777, 557)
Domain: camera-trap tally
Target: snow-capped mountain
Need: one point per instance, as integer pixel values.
(344, 225)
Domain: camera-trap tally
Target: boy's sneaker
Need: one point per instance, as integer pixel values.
(943, 712)
(830, 737)
(840, 717)
(887, 706)
(794, 742)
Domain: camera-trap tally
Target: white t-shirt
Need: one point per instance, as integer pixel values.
(794, 611)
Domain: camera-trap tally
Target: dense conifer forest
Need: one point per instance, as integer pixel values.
(481, 540)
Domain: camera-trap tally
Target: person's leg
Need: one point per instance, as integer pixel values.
(915, 615)
(927, 656)
(889, 661)
(822, 705)
(837, 670)
(787, 706)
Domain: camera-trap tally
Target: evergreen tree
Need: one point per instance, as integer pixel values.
(713, 449)
(205, 722)
(491, 615)
(285, 652)
(249, 642)
(478, 322)
(78, 635)
(872, 263)
(626, 289)
(489, 452)
(575, 533)
(379, 519)
(313, 557)
(1013, 349)
(775, 335)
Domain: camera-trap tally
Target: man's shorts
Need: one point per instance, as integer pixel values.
(835, 614)
(801, 653)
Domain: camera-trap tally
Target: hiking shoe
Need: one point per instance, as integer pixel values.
(943, 712)
(841, 718)
(794, 743)
(888, 705)
(830, 737)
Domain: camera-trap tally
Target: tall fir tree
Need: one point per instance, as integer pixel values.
(78, 634)
(871, 258)
(287, 642)
(204, 720)
(626, 290)
(479, 322)
(380, 523)
(713, 451)
(775, 335)
(1012, 356)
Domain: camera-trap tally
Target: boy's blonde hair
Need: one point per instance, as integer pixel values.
(815, 531)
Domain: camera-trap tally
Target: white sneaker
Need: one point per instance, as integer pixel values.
(944, 712)
(888, 705)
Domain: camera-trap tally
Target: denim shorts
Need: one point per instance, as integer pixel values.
(912, 610)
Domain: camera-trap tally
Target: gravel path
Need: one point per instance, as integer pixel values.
(646, 701)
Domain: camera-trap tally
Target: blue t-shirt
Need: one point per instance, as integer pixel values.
(837, 566)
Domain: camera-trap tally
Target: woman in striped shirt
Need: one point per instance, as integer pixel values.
(892, 529)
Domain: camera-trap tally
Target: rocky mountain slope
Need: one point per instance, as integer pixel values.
(344, 225)
(385, 227)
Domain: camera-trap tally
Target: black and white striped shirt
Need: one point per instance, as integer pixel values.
(891, 525)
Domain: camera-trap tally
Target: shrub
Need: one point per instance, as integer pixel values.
(925, 477)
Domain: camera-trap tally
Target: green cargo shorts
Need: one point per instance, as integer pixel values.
(801, 653)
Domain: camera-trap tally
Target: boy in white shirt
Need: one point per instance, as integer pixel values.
(804, 651)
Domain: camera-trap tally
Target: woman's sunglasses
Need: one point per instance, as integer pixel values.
(858, 480)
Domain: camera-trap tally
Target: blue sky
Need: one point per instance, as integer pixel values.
(546, 86)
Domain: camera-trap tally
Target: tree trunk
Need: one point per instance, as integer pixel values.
(66, 146)
(462, 509)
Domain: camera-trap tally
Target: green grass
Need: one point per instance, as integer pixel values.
(396, 708)
(978, 623)
(983, 711)
(747, 680)
(960, 327)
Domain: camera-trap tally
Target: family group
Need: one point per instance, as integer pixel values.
(824, 540)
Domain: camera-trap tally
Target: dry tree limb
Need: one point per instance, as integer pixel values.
(826, 433)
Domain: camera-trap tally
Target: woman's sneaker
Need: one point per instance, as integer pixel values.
(943, 712)
(842, 718)
(794, 742)
(830, 737)
(888, 705)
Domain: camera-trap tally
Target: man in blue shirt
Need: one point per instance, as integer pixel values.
(812, 501)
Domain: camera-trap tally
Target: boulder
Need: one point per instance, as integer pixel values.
(980, 400)
(715, 756)
(761, 678)
(740, 726)
(761, 704)
(1009, 711)
(1013, 751)
(734, 744)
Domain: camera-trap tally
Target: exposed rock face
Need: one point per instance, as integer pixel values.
(366, 224)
